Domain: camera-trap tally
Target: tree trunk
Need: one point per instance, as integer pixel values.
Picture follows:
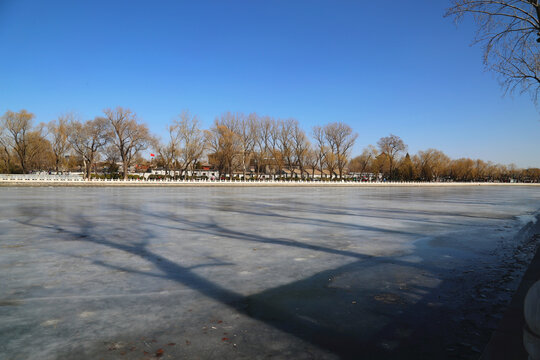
(85, 164)
(8, 161)
(244, 167)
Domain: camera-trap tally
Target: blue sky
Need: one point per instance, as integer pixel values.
(379, 67)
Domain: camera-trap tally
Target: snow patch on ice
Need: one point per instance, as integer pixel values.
(527, 218)
(52, 322)
(86, 314)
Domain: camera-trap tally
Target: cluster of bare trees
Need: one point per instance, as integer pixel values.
(255, 145)
(278, 147)
(68, 142)
(390, 160)
(236, 145)
(23, 145)
(184, 147)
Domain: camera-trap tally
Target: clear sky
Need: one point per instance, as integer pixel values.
(380, 67)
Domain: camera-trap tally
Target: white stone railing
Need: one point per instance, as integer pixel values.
(46, 178)
(40, 177)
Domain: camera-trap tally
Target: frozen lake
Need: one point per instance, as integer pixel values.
(258, 272)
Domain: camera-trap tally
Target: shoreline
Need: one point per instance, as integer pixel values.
(121, 183)
(507, 341)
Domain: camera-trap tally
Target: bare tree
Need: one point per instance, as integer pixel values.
(340, 138)
(190, 141)
(480, 170)
(462, 169)
(300, 145)
(311, 162)
(320, 147)
(364, 162)
(261, 152)
(87, 139)
(431, 164)
(285, 143)
(246, 129)
(223, 144)
(58, 132)
(390, 147)
(127, 135)
(111, 157)
(509, 30)
(276, 146)
(5, 149)
(43, 157)
(330, 162)
(17, 128)
(167, 152)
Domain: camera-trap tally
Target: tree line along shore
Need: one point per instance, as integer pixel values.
(237, 146)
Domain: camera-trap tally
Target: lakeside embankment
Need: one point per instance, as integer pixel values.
(508, 340)
(227, 183)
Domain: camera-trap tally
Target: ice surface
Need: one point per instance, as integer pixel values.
(246, 272)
